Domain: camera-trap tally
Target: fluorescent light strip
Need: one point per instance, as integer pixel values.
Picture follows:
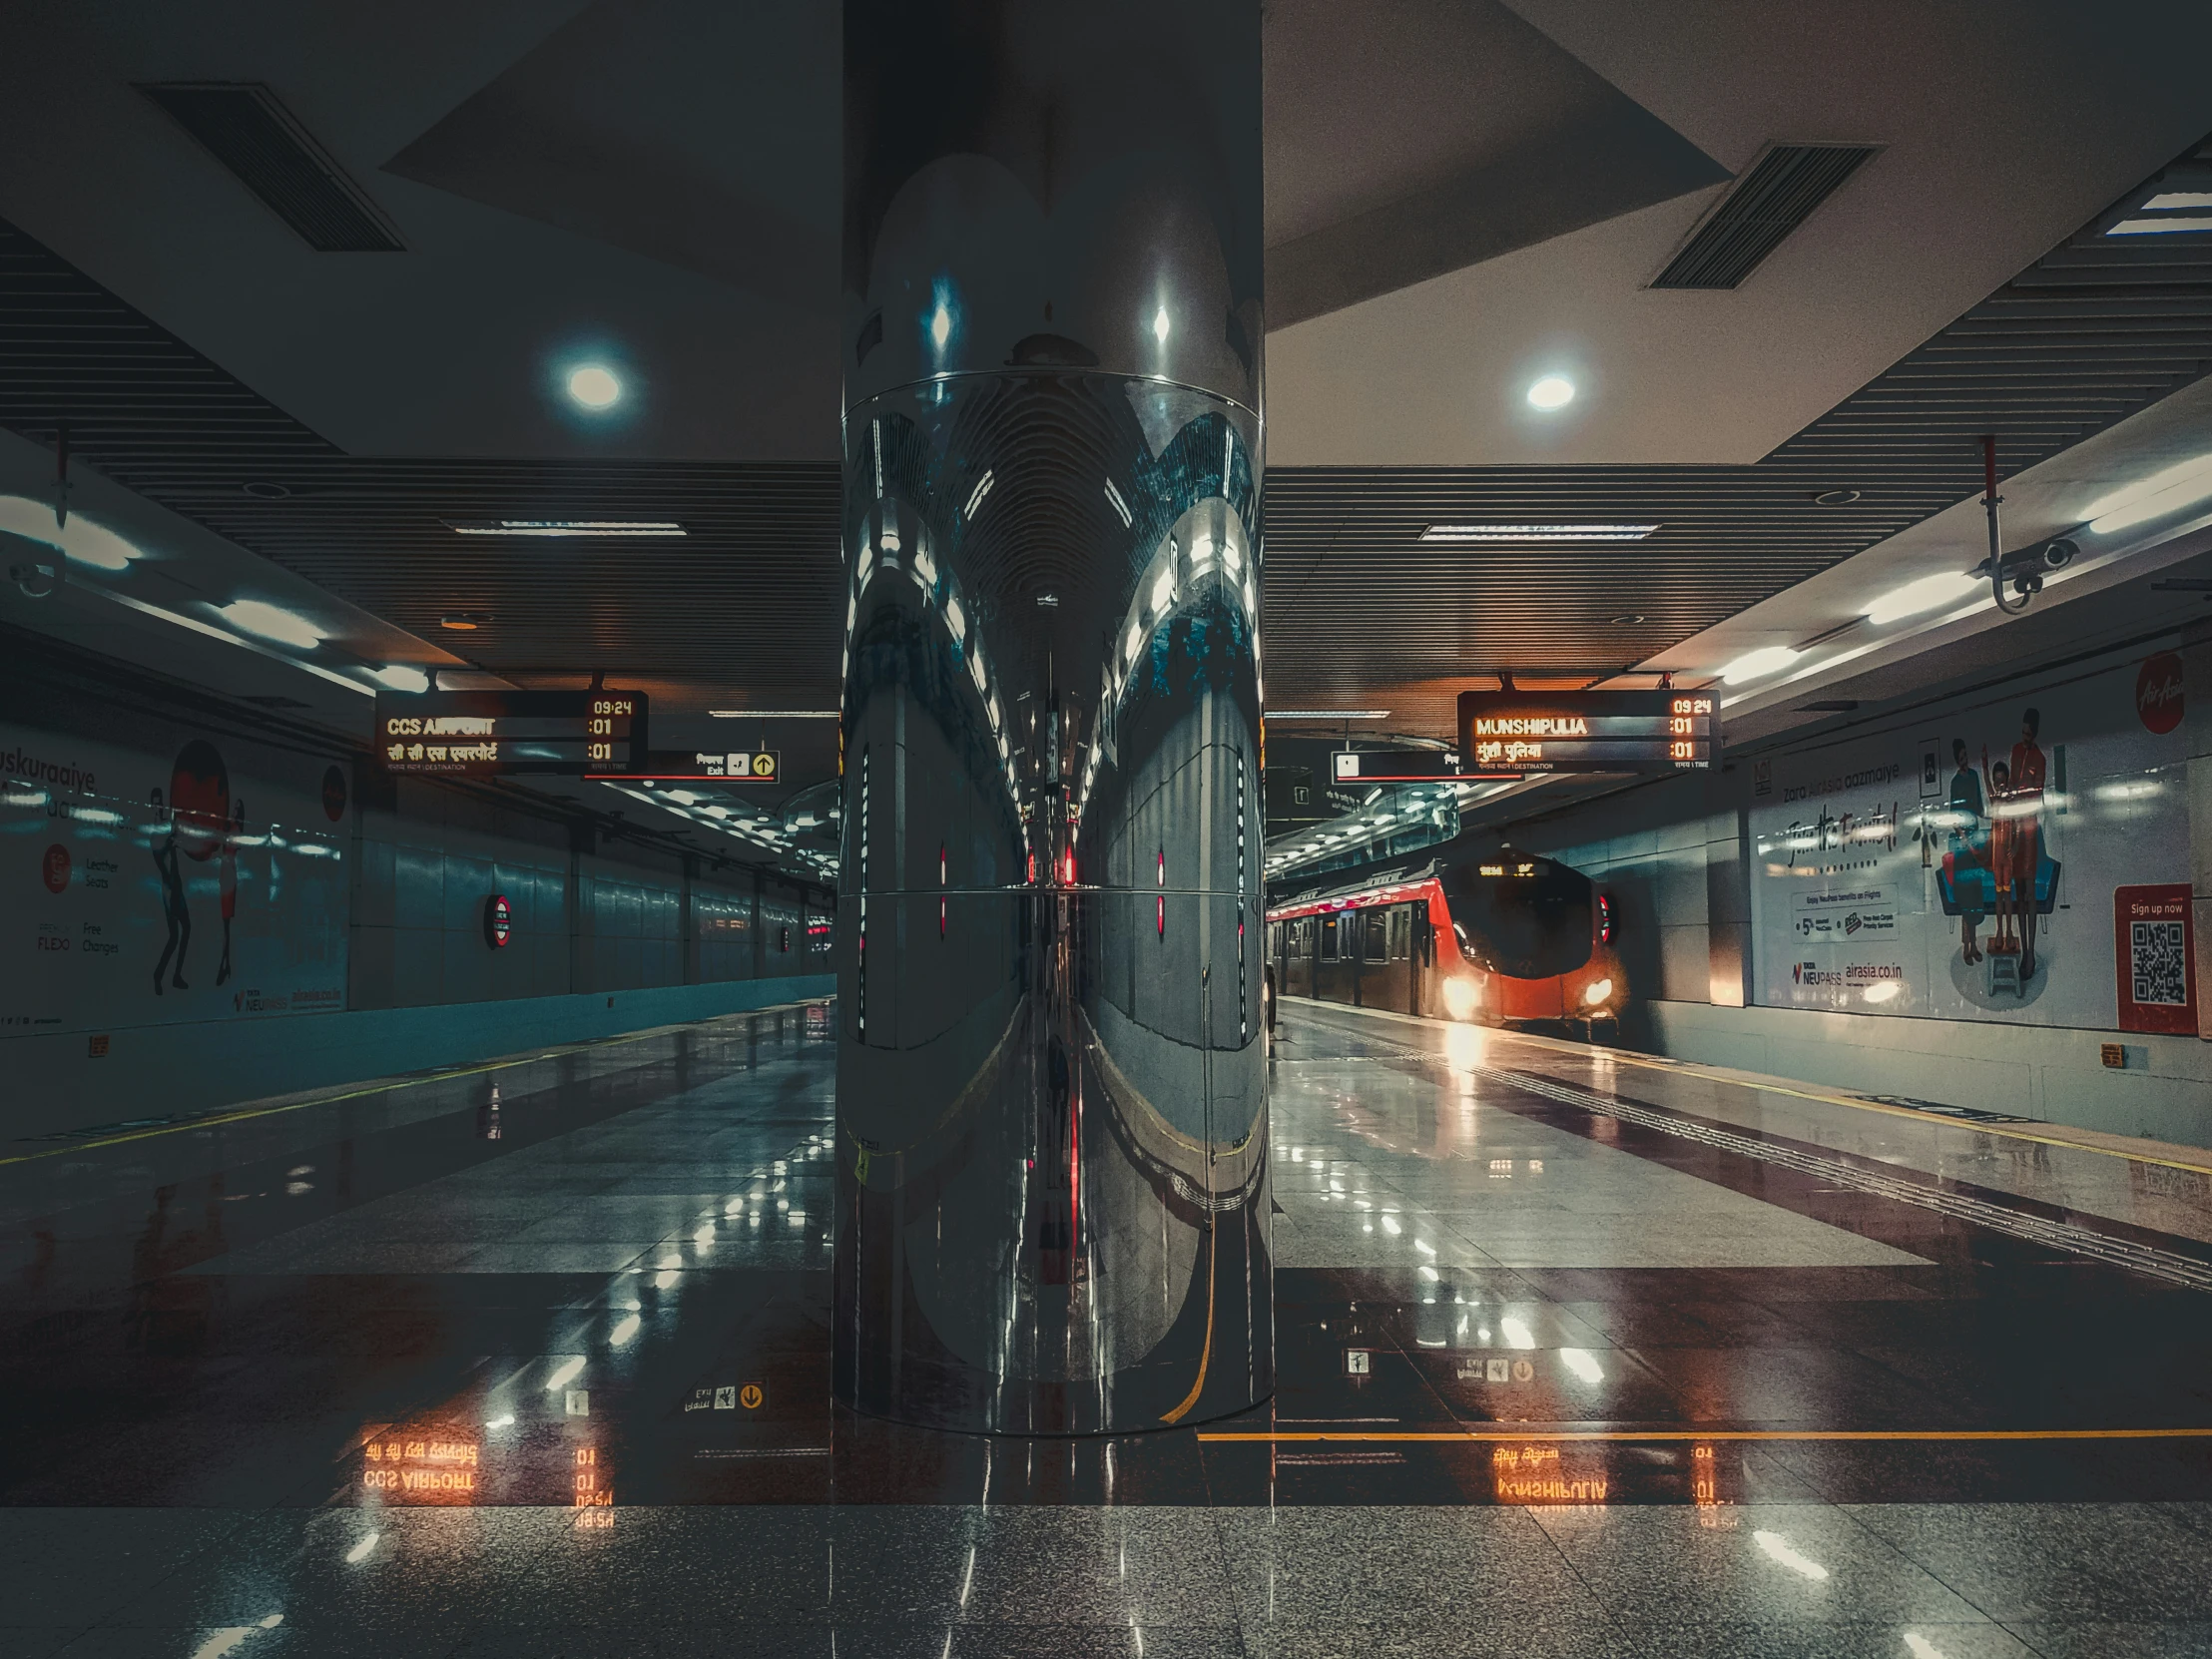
(1328, 714)
(1538, 532)
(592, 527)
(2158, 226)
(772, 714)
(225, 634)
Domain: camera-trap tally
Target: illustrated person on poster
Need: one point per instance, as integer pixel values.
(1965, 841)
(2027, 768)
(234, 830)
(199, 825)
(175, 910)
(2001, 855)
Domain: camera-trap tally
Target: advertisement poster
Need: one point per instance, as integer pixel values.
(204, 880)
(2008, 857)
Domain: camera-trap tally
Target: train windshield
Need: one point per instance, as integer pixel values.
(1516, 915)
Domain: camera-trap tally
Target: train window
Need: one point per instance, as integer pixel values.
(1329, 934)
(1374, 935)
(1401, 932)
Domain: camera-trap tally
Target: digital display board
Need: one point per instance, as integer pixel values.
(488, 733)
(1591, 731)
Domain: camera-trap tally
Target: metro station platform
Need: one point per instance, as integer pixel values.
(1580, 1353)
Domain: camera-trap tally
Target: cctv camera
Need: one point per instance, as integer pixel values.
(2057, 555)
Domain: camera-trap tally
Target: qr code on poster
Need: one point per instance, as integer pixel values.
(2156, 963)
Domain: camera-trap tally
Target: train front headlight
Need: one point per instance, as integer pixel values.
(1597, 992)
(1459, 998)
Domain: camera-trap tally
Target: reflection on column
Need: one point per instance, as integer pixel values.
(1053, 1210)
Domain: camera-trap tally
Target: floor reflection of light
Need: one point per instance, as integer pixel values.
(1391, 1226)
(703, 1236)
(732, 1206)
(624, 1332)
(671, 1260)
(1428, 1272)
(565, 1373)
(1422, 1245)
(1463, 1045)
(1919, 1647)
(1579, 1362)
(1517, 1334)
(225, 1640)
(1778, 1548)
(361, 1551)
(505, 1420)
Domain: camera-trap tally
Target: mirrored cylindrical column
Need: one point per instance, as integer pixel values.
(1052, 1150)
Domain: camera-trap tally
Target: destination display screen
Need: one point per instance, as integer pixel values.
(490, 733)
(1591, 731)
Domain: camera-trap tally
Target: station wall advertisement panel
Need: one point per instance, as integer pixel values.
(2019, 854)
(201, 879)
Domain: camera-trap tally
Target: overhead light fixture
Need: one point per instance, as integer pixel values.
(1551, 391)
(1753, 664)
(464, 621)
(1538, 532)
(593, 527)
(2168, 200)
(594, 387)
(1835, 498)
(401, 677)
(270, 622)
(773, 714)
(2164, 491)
(1946, 587)
(83, 540)
(1629, 619)
(1328, 714)
(2158, 226)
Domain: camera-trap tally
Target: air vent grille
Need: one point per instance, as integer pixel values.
(246, 129)
(1774, 197)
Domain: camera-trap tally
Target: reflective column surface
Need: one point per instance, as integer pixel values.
(1052, 1199)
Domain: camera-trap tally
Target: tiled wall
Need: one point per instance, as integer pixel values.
(584, 917)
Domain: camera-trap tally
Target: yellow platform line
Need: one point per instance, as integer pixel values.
(1644, 1435)
(1715, 1074)
(392, 1086)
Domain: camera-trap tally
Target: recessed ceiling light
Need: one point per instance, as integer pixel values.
(271, 623)
(1553, 391)
(401, 677)
(266, 491)
(773, 714)
(1946, 587)
(464, 621)
(1835, 498)
(1538, 532)
(589, 527)
(595, 387)
(1328, 714)
(2167, 200)
(1629, 621)
(1753, 664)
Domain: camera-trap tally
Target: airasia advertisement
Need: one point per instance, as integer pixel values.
(2014, 856)
(204, 879)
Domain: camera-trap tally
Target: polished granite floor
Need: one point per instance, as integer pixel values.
(1579, 1356)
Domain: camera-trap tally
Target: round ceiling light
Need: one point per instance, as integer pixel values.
(465, 620)
(1629, 621)
(1835, 498)
(1553, 391)
(595, 387)
(262, 491)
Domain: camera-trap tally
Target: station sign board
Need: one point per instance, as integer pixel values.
(741, 766)
(486, 734)
(1392, 765)
(1589, 731)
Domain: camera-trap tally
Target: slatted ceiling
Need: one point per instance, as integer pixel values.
(1360, 612)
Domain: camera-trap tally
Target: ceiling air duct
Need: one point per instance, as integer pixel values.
(248, 129)
(1774, 195)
